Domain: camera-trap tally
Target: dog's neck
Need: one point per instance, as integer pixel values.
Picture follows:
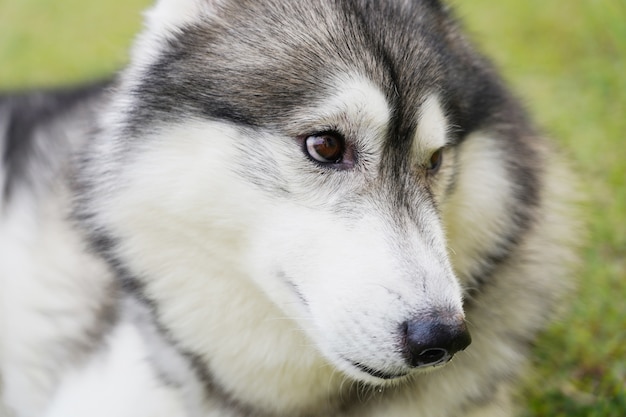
(266, 362)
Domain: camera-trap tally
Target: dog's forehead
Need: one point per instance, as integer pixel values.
(259, 63)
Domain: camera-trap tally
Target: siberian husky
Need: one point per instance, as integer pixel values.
(280, 208)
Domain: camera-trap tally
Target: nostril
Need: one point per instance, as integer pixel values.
(432, 356)
(432, 341)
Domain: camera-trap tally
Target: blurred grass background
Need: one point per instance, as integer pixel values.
(567, 61)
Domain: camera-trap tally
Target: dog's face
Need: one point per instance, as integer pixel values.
(296, 153)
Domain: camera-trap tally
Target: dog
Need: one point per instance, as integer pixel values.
(280, 208)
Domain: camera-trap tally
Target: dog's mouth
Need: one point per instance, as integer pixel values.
(377, 373)
(388, 375)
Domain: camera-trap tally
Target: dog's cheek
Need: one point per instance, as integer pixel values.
(178, 202)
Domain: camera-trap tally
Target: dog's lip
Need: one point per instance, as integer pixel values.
(377, 373)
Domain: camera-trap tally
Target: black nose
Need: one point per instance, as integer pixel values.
(434, 340)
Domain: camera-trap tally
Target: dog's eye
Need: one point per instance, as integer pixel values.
(435, 161)
(327, 148)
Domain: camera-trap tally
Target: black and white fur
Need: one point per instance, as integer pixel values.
(172, 246)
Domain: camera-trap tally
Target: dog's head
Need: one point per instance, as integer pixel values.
(294, 152)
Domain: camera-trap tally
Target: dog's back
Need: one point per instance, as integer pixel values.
(40, 130)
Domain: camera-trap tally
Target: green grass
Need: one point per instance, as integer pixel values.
(566, 59)
(46, 42)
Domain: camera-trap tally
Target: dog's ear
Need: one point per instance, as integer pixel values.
(168, 18)
(171, 15)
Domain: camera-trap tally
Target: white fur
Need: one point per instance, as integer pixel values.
(352, 102)
(201, 281)
(50, 293)
(120, 381)
(432, 128)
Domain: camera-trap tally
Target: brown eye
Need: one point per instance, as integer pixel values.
(435, 161)
(327, 148)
